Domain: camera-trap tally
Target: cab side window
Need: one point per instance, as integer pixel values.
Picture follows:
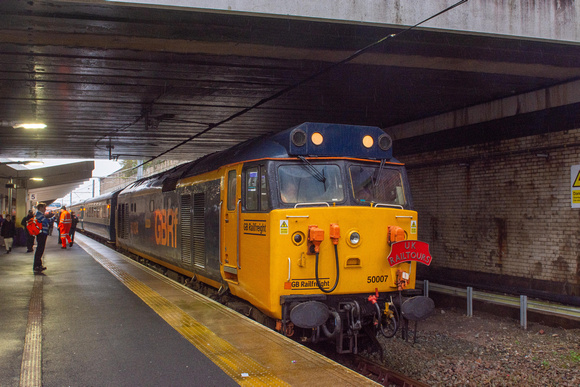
(256, 187)
(232, 190)
(264, 191)
(252, 189)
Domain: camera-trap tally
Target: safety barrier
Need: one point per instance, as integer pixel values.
(522, 303)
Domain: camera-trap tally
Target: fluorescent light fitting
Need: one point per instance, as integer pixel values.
(34, 162)
(30, 126)
(36, 179)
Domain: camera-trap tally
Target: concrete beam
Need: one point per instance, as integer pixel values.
(560, 95)
(541, 19)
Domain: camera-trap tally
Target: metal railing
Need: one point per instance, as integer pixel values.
(520, 302)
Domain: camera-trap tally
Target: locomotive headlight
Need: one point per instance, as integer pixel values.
(353, 239)
(298, 137)
(385, 142)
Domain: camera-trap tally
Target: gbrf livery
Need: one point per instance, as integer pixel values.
(310, 230)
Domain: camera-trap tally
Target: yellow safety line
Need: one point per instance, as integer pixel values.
(31, 367)
(241, 368)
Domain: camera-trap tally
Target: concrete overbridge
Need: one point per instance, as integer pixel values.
(134, 79)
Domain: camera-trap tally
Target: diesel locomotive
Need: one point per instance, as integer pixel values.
(311, 228)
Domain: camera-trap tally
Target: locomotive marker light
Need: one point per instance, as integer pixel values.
(298, 238)
(317, 138)
(368, 141)
(407, 251)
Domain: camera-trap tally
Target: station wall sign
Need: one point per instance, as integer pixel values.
(575, 185)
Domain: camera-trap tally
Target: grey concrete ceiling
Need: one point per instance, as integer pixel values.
(131, 83)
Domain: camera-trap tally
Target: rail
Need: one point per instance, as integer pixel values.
(384, 376)
(520, 302)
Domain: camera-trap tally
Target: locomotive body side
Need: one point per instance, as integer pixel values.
(177, 228)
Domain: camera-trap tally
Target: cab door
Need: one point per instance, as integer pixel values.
(231, 231)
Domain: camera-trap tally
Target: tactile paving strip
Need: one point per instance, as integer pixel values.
(31, 368)
(242, 369)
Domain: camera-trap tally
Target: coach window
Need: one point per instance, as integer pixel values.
(232, 190)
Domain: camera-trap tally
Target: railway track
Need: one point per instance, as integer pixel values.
(382, 375)
(369, 368)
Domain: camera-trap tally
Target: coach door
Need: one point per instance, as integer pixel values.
(231, 234)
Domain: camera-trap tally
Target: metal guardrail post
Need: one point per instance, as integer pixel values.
(524, 312)
(426, 288)
(469, 301)
(536, 306)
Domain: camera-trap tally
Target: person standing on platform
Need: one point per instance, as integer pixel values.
(57, 224)
(1, 237)
(73, 227)
(64, 226)
(29, 238)
(41, 238)
(8, 231)
(51, 226)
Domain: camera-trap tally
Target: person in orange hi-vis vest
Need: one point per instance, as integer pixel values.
(64, 227)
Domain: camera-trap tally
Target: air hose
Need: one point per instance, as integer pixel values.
(395, 322)
(337, 326)
(337, 273)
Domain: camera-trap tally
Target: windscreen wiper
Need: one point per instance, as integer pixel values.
(313, 171)
(379, 172)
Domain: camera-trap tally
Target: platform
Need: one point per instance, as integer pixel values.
(97, 318)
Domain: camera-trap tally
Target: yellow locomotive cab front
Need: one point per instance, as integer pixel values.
(362, 247)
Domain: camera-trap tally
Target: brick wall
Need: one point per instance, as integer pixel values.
(499, 214)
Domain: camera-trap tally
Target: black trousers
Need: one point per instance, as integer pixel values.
(29, 241)
(41, 244)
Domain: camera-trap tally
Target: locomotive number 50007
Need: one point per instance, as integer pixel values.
(372, 279)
